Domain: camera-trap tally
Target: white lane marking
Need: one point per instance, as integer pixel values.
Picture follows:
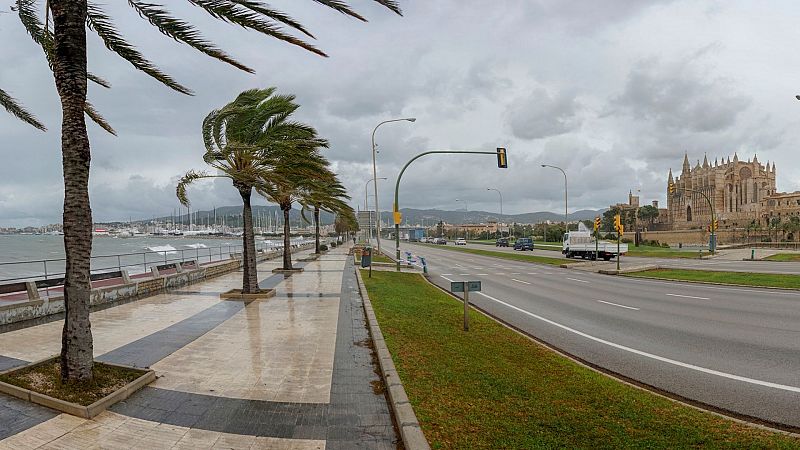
(463, 274)
(531, 273)
(579, 281)
(477, 268)
(519, 281)
(448, 279)
(499, 273)
(688, 296)
(446, 275)
(515, 273)
(617, 304)
(481, 274)
(649, 355)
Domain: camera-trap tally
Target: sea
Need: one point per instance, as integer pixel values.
(24, 257)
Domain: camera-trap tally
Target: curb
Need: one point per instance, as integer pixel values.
(713, 283)
(628, 270)
(410, 430)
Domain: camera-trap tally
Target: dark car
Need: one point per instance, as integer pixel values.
(502, 242)
(524, 244)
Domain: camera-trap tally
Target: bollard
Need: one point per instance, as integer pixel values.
(752, 254)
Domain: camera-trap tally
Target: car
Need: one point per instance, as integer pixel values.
(502, 242)
(440, 241)
(524, 244)
(461, 241)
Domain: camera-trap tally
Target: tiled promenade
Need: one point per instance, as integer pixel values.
(289, 372)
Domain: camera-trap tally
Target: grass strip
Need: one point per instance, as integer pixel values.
(786, 257)
(739, 278)
(538, 245)
(522, 256)
(46, 379)
(493, 388)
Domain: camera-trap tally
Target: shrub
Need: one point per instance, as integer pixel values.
(333, 244)
(323, 248)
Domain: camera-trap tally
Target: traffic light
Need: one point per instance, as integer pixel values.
(671, 188)
(618, 227)
(596, 223)
(715, 225)
(502, 159)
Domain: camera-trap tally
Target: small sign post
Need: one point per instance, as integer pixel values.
(466, 288)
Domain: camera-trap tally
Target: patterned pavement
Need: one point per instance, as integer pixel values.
(290, 372)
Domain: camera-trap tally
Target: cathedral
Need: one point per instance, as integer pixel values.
(740, 192)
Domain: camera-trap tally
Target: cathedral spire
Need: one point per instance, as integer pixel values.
(735, 156)
(686, 167)
(755, 158)
(716, 162)
(705, 161)
(671, 180)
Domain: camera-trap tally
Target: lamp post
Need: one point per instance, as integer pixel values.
(466, 211)
(375, 172)
(366, 206)
(501, 206)
(566, 204)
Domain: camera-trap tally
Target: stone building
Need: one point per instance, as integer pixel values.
(739, 190)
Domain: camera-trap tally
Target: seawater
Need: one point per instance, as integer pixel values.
(137, 253)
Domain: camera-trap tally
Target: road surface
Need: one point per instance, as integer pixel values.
(737, 349)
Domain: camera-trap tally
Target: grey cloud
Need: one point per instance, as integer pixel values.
(539, 115)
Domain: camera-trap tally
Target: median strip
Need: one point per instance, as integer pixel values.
(741, 279)
(507, 255)
(494, 388)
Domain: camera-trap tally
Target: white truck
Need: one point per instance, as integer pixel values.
(582, 244)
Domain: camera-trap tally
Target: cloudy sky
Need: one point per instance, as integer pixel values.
(613, 91)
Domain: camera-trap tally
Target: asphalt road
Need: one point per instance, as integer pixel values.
(718, 263)
(737, 349)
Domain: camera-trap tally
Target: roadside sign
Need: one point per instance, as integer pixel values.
(457, 286)
(474, 286)
(398, 217)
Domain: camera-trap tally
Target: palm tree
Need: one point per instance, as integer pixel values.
(324, 194)
(249, 142)
(64, 47)
(294, 178)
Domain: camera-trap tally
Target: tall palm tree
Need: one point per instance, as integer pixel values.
(295, 178)
(324, 194)
(250, 141)
(64, 47)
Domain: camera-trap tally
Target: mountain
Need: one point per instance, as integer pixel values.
(415, 216)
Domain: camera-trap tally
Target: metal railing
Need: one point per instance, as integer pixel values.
(134, 263)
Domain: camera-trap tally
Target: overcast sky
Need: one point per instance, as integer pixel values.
(613, 91)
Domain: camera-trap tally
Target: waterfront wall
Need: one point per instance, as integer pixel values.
(137, 288)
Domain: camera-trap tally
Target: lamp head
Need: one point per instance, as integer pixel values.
(544, 165)
(412, 119)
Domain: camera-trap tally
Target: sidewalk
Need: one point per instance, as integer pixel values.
(290, 372)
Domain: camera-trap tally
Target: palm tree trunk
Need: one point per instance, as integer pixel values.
(69, 71)
(316, 229)
(287, 243)
(250, 276)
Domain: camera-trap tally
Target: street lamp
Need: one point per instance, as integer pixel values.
(566, 204)
(501, 205)
(466, 211)
(375, 171)
(366, 207)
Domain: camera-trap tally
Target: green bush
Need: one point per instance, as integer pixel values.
(323, 248)
(333, 244)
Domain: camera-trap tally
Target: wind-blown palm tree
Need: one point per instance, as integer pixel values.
(251, 141)
(295, 178)
(324, 194)
(64, 47)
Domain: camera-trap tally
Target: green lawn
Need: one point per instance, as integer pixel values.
(786, 257)
(521, 256)
(491, 388)
(743, 278)
(377, 258)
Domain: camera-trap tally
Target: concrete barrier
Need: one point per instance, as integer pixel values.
(37, 307)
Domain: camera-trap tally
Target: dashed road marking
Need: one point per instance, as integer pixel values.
(617, 304)
(519, 281)
(688, 296)
(579, 281)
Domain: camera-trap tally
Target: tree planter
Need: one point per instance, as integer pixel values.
(285, 271)
(76, 409)
(236, 294)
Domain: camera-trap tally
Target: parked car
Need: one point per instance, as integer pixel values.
(502, 242)
(524, 244)
(461, 241)
(440, 241)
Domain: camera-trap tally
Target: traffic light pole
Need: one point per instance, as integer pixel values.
(397, 190)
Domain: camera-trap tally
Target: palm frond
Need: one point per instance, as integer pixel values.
(341, 7)
(190, 177)
(229, 11)
(88, 108)
(102, 24)
(15, 109)
(273, 14)
(182, 31)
